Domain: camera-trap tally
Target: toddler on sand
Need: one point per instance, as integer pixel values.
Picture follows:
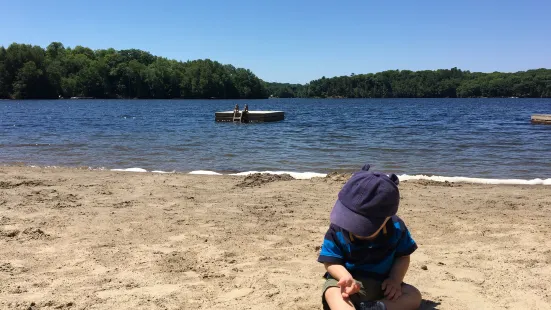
(366, 248)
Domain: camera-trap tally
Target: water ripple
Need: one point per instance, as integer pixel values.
(449, 137)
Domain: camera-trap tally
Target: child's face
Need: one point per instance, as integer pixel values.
(375, 234)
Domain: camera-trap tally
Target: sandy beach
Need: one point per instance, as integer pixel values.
(82, 239)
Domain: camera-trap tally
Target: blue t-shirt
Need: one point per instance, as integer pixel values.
(362, 258)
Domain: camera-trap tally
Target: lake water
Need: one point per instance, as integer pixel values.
(483, 138)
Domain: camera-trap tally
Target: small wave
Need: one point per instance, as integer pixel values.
(403, 177)
(130, 170)
(296, 175)
(141, 170)
(26, 145)
(205, 172)
(436, 178)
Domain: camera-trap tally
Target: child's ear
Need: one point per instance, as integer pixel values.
(366, 167)
(394, 179)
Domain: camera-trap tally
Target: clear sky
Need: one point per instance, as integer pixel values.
(299, 40)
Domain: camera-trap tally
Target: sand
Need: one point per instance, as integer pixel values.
(80, 239)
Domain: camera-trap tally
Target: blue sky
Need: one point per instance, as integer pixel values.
(297, 41)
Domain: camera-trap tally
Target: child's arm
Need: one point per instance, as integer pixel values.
(337, 271)
(399, 269)
(346, 282)
(393, 285)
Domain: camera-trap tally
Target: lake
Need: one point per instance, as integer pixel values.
(483, 138)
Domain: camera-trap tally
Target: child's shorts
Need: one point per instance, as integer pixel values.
(370, 290)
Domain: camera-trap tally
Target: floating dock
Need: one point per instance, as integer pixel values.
(544, 119)
(250, 116)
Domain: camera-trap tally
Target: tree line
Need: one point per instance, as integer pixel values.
(32, 72)
(452, 83)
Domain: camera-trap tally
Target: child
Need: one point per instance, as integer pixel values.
(366, 249)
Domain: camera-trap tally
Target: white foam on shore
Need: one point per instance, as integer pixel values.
(130, 170)
(403, 177)
(205, 172)
(436, 178)
(141, 170)
(296, 175)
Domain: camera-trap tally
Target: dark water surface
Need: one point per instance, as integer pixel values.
(490, 138)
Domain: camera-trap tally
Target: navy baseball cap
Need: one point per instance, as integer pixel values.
(365, 201)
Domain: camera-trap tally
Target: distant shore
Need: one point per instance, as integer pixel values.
(103, 239)
(34, 72)
(238, 99)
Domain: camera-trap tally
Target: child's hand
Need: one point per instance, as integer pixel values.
(392, 289)
(348, 286)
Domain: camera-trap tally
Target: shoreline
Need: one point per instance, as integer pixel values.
(105, 240)
(309, 175)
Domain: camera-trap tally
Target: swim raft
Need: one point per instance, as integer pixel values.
(249, 116)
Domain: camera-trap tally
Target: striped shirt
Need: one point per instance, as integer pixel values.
(362, 258)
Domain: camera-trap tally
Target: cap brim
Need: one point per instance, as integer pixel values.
(355, 223)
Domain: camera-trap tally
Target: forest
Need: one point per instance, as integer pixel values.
(446, 83)
(33, 72)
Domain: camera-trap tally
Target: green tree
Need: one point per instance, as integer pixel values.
(27, 83)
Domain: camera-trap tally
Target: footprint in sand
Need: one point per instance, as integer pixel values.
(179, 237)
(235, 294)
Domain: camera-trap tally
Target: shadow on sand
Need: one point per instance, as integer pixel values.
(429, 305)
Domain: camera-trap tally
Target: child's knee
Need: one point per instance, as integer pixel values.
(414, 295)
(332, 293)
(335, 301)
